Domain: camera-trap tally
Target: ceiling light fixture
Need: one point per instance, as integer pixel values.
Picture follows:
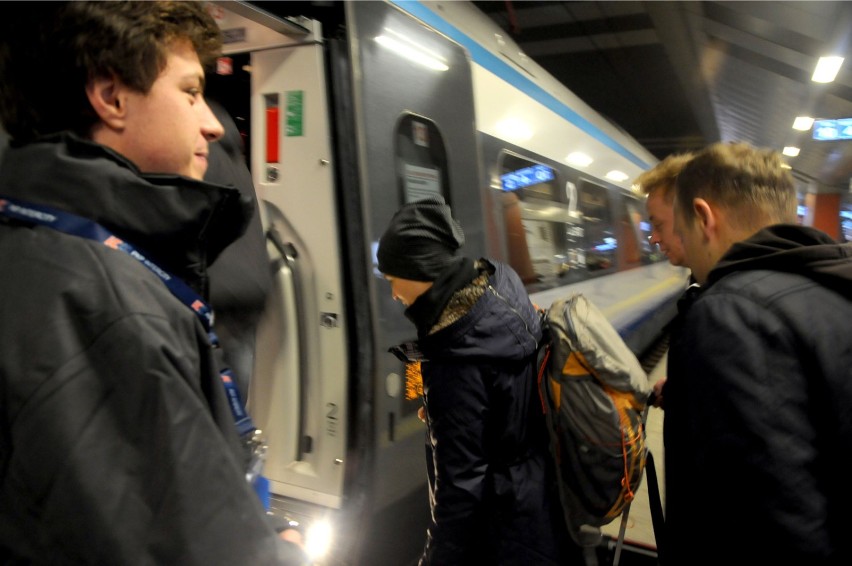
(617, 176)
(579, 159)
(514, 129)
(803, 123)
(827, 69)
(411, 50)
(791, 151)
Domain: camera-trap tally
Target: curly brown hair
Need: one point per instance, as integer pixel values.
(50, 50)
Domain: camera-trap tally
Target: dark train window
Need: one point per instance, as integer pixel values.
(634, 246)
(642, 227)
(601, 241)
(421, 159)
(542, 231)
(531, 176)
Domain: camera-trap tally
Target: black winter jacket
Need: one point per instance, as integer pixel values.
(240, 278)
(117, 445)
(758, 422)
(492, 488)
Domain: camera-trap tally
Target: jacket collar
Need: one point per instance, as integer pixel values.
(182, 223)
(426, 310)
(793, 249)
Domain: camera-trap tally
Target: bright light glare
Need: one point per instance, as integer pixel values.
(616, 176)
(579, 159)
(412, 51)
(803, 123)
(318, 539)
(514, 129)
(791, 151)
(827, 69)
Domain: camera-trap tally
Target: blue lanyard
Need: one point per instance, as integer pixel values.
(74, 225)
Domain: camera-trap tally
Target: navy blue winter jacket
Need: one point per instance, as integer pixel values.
(492, 488)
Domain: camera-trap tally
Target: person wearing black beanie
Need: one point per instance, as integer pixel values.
(473, 363)
(419, 254)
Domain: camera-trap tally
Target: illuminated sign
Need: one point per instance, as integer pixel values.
(525, 177)
(827, 130)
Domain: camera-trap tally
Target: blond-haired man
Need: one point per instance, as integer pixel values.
(757, 423)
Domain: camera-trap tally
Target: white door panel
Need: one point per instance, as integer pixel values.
(298, 393)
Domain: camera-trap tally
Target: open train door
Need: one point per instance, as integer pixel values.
(344, 131)
(298, 392)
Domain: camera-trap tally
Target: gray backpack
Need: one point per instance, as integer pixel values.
(594, 393)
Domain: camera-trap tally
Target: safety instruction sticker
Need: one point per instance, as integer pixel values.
(295, 113)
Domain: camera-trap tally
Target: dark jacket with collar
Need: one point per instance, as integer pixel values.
(117, 445)
(758, 420)
(240, 278)
(492, 487)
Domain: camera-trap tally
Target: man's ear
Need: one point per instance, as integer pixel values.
(107, 97)
(706, 216)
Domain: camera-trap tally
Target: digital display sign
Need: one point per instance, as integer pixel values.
(827, 130)
(525, 177)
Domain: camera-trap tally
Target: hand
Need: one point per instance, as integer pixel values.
(658, 393)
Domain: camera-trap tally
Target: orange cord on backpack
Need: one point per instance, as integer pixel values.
(625, 482)
(541, 370)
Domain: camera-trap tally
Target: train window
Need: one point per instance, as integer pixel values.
(635, 247)
(421, 159)
(642, 227)
(542, 232)
(601, 242)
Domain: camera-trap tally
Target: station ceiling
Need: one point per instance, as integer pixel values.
(680, 75)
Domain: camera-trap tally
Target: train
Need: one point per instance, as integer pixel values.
(349, 110)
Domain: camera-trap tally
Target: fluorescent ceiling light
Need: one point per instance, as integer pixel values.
(514, 129)
(791, 151)
(827, 69)
(616, 176)
(579, 159)
(411, 50)
(803, 123)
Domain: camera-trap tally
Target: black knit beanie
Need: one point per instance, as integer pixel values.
(421, 241)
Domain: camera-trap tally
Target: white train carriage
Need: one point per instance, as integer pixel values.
(398, 101)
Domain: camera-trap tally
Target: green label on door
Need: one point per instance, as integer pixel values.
(295, 112)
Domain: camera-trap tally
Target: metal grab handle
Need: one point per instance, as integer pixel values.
(293, 301)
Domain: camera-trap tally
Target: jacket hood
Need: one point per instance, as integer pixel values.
(794, 249)
(183, 223)
(502, 324)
